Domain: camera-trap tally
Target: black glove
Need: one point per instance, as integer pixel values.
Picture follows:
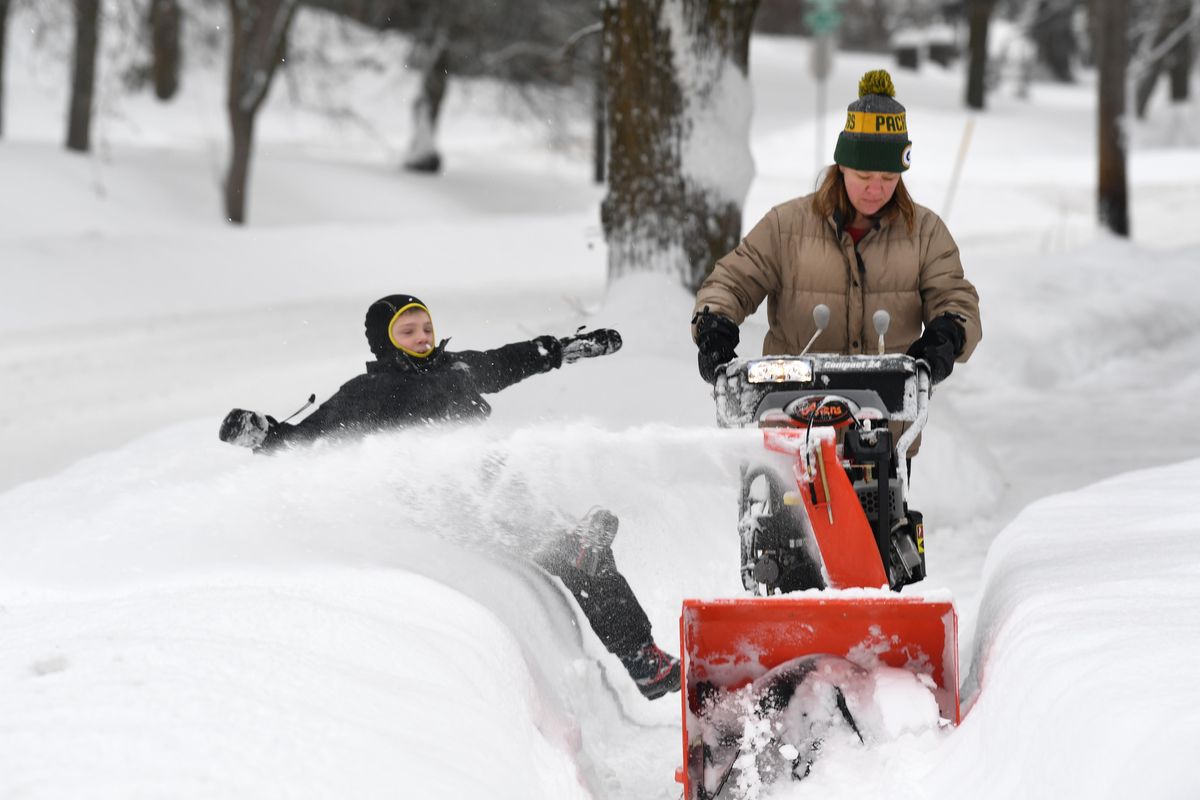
(717, 339)
(249, 429)
(939, 345)
(600, 342)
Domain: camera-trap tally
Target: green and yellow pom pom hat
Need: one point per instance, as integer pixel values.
(380, 316)
(875, 138)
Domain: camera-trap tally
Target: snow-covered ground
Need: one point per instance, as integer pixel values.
(178, 618)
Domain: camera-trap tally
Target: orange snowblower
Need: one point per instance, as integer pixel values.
(824, 514)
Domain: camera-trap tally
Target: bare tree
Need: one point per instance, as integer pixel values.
(519, 41)
(1164, 46)
(428, 23)
(3, 40)
(1112, 60)
(979, 14)
(259, 37)
(514, 40)
(1179, 68)
(1051, 30)
(679, 163)
(164, 38)
(434, 57)
(83, 82)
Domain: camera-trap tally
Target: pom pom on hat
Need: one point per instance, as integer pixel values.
(877, 81)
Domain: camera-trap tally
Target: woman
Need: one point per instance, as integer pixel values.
(858, 244)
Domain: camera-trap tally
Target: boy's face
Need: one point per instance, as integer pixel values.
(413, 331)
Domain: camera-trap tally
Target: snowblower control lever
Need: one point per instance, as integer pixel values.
(882, 320)
(821, 318)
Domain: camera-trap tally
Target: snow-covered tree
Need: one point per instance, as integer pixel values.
(678, 117)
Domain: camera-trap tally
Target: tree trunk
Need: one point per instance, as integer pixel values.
(599, 128)
(1144, 88)
(979, 13)
(678, 113)
(3, 40)
(1180, 71)
(259, 36)
(1112, 60)
(423, 155)
(164, 36)
(1179, 60)
(241, 127)
(83, 83)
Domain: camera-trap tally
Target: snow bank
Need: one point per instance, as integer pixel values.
(345, 682)
(1086, 633)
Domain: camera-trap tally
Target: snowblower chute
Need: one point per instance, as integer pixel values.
(825, 513)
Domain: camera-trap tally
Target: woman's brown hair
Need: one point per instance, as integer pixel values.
(831, 200)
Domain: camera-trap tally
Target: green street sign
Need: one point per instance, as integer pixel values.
(823, 16)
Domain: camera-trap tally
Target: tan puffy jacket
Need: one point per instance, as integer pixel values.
(797, 259)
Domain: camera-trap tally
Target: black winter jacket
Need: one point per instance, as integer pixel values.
(402, 390)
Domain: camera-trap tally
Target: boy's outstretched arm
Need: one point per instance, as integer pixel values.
(494, 370)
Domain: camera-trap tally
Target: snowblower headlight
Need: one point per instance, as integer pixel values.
(780, 370)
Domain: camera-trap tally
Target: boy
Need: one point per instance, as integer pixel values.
(412, 381)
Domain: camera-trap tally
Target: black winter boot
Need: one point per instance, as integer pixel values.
(656, 673)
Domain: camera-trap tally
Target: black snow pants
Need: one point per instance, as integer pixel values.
(545, 535)
(605, 598)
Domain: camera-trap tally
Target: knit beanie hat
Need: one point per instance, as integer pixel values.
(381, 315)
(876, 135)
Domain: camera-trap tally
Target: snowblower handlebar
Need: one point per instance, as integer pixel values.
(890, 387)
(896, 387)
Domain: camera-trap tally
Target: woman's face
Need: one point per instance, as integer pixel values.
(869, 191)
(413, 331)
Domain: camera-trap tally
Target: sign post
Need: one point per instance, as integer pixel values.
(823, 18)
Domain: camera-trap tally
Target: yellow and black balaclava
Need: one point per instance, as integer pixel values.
(875, 138)
(381, 315)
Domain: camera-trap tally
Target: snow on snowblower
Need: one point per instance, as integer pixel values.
(771, 679)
